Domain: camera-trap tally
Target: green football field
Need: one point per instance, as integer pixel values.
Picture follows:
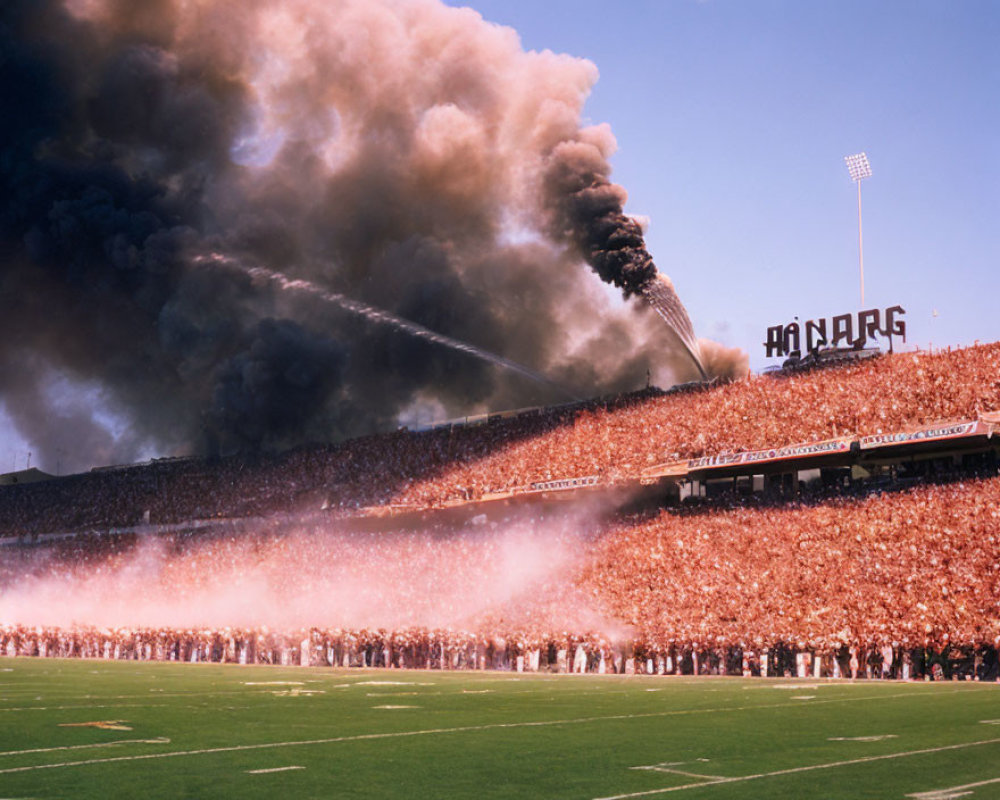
(126, 729)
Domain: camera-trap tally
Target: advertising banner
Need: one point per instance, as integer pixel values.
(794, 451)
(952, 430)
(565, 483)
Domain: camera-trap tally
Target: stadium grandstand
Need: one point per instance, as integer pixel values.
(831, 522)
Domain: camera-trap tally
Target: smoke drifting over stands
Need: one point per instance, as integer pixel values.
(408, 155)
(903, 567)
(613, 440)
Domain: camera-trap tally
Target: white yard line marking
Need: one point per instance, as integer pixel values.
(798, 686)
(850, 699)
(465, 729)
(952, 791)
(274, 683)
(25, 686)
(390, 683)
(161, 693)
(74, 708)
(946, 795)
(213, 693)
(272, 769)
(158, 740)
(810, 768)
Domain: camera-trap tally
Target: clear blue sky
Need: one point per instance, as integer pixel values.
(733, 118)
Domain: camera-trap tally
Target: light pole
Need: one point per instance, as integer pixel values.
(860, 169)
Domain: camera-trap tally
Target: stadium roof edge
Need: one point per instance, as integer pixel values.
(30, 475)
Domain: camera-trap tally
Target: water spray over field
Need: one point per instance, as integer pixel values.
(377, 316)
(663, 298)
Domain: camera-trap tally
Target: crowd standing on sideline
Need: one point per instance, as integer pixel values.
(926, 659)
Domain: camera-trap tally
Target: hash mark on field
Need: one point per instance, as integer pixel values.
(877, 738)
(828, 765)
(667, 766)
(103, 724)
(272, 769)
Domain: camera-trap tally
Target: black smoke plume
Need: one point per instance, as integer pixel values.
(592, 216)
(589, 211)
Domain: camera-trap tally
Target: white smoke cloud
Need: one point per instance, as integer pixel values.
(511, 577)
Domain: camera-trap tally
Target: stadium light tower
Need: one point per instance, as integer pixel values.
(860, 169)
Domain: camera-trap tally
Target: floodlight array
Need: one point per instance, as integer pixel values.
(858, 166)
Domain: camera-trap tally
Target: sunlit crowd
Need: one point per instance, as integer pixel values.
(901, 583)
(859, 582)
(612, 439)
(902, 568)
(889, 393)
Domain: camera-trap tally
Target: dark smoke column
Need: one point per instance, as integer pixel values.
(590, 215)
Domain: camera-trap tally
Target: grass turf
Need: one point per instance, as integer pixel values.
(206, 730)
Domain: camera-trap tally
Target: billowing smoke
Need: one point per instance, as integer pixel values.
(590, 211)
(728, 363)
(518, 577)
(404, 154)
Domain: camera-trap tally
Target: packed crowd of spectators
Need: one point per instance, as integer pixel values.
(889, 393)
(902, 583)
(612, 439)
(891, 566)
